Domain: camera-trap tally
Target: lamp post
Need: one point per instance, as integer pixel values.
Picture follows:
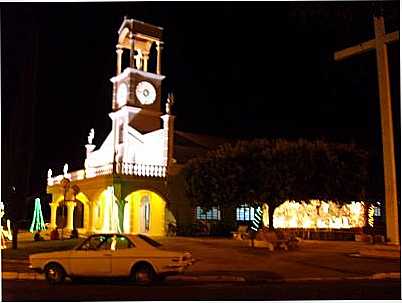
(65, 183)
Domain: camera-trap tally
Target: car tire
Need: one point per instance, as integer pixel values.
(55, 274)
(143, 274)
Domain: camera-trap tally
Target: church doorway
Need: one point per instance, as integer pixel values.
(145, 212)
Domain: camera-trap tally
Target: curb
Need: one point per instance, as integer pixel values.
(375, 256)
(377, 276)
(12, 275)
(207, 278)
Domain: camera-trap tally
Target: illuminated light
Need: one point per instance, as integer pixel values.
(110, 212)
(325, 207)
(371, 216)
(4, 233)
(37, 221)
(307, 223)
(291, 214)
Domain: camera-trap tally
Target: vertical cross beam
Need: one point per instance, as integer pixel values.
(380, 45)
(391, 200)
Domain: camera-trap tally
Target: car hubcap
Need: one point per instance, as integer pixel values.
(53, 274)
(143, 276)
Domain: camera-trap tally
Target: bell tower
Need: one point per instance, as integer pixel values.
(136, 90)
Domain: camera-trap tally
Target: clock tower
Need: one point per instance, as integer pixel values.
(137, 91)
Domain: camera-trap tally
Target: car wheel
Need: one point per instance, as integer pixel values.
(144, 274)
(55, 274)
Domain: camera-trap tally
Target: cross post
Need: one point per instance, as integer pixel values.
(379, 43)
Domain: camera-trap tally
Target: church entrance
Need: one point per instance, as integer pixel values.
(145, 213)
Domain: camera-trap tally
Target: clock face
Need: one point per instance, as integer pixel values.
(122, 92)
(145, 92)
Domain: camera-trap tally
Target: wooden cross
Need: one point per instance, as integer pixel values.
(379, 43)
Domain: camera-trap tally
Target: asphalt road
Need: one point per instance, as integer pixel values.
(174, 290)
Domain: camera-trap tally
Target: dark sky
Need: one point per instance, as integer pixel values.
(242, 70)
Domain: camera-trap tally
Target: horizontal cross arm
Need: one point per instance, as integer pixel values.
(364, 47)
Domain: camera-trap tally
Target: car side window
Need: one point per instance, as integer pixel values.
(123, 243)
(107, 244)
(93, 243)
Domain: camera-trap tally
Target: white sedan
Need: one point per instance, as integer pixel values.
(112, 255)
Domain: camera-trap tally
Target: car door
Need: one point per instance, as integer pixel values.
(124, 254)
(92, 258)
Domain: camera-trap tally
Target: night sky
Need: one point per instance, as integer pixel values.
(238, 70)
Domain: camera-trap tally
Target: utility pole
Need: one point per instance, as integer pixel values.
(379, 44)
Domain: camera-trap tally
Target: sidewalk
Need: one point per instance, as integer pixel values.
(381, 251)
(226, 260)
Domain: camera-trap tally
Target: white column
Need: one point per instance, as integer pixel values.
(119, 52)
(92, 216)
(145, 61)
(70, 214)
(53, 212)
(158, 58)
(168, 128)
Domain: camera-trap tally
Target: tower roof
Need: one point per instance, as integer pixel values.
(138, 27)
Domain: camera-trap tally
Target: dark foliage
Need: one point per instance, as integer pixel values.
(272, 171)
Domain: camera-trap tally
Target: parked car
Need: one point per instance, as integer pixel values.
(112, 255)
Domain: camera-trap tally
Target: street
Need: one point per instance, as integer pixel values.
(121, 290)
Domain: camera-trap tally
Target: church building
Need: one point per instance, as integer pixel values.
(126, 183)
(131, 183)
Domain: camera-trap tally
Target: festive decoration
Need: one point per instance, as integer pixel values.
(37, 221)
(319, 214)
(371, 216)
(257, 222)
(4, 233)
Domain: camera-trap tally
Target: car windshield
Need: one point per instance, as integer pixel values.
(149, 241)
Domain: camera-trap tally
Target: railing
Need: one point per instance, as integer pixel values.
(145, 170)
(123, 168)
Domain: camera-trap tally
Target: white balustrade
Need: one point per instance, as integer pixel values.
(124, 168)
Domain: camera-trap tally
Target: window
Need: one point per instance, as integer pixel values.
(377, 211)
(244, 213)
(94, 243)
(212, 214)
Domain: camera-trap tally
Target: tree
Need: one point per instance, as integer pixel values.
(273, 171)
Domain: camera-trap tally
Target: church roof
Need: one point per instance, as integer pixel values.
(190, 145)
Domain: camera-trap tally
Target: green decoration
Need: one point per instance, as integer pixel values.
(37, 221)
